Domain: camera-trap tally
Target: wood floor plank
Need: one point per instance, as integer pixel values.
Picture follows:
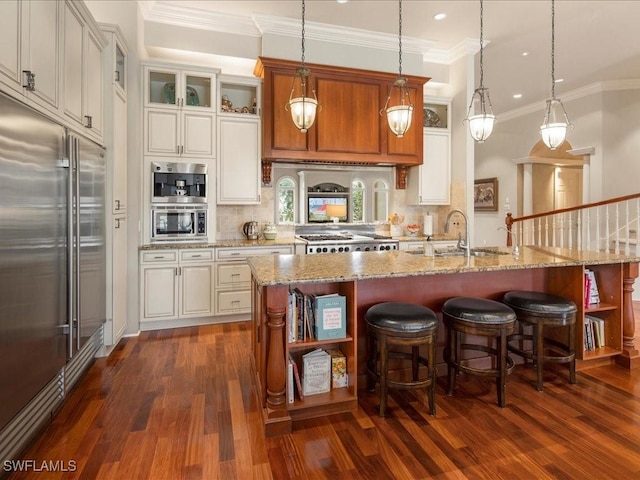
(181, 404)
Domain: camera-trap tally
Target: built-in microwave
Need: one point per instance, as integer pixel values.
(178, 223)
(173, 182)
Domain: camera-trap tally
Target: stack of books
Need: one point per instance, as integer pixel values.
(315, 317)
(591, 295)
(594, 334)
(319, 372)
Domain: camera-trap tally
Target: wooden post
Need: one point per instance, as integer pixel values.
(630, 357)
(508, 221)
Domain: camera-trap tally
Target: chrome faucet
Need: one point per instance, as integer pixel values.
(463, 245)
(514, 240)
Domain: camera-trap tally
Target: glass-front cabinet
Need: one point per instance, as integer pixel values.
(166, 88)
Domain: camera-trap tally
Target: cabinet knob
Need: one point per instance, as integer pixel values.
(88, 121)
(29, 80)
(117, 204)
(117, 76)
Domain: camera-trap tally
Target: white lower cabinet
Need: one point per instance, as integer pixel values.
(233, 276)
(175, 285)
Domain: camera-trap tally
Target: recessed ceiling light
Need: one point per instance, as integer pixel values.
(439, 16)
(559, 80)
(517, 95)
(342, 1)
(524, 54)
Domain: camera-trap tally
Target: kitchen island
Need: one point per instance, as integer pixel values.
(366, 278)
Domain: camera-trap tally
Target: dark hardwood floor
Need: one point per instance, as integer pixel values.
(180, 404)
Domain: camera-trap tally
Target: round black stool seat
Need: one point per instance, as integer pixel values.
(402, 325)
(401, 318)
(539, 310)
(483, 317)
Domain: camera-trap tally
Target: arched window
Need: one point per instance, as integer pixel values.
(357, 201)
(286, 200)
(380, 201)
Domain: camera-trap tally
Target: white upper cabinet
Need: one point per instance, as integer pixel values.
(430, 183)
(239, 172)
(179, 89)
(179, 114)
(51, 58)
(83, 78)
(30, 57)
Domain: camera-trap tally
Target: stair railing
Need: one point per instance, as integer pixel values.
(610, 225)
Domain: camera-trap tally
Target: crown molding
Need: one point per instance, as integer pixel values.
(198, 18)
(258, 25)
(587, 90)
(343, 35)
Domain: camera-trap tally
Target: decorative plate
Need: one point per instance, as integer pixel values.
(169, 93)
(431, 118)
(192, 97)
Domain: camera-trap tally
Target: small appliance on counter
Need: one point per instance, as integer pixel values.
(250, 230)
(269, 232)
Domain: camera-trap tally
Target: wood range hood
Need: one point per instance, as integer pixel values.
(348, 129)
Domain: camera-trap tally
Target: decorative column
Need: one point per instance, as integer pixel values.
(630, 357)
(276, 367)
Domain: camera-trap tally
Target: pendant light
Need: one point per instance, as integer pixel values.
(554, 127)
(480, 115)
(302, 108)
(399, 116)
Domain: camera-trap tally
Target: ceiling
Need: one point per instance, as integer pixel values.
(595, 41)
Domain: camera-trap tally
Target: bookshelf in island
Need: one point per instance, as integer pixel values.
(367, 278)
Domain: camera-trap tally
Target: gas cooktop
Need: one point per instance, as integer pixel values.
(340, 242)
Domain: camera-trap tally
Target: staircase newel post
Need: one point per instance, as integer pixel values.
(508, 221)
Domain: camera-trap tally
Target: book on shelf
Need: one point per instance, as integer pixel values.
(290, 381)
(316, 372)
(296, 378)
(593, 294)
(597, 325)
(330, 316)
(339, 376)
(588, 342)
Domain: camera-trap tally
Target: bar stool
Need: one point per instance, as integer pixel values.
(487, 318)
(541, 310)
(401, 324)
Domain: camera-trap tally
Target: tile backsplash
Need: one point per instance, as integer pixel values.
(230, 218)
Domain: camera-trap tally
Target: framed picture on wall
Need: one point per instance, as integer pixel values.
(485, 194)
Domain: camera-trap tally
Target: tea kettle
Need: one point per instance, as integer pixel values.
(250, 230)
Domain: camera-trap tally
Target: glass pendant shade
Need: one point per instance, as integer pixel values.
(303, 112)
(399, 119)
(554, 127)
(480, 115)
(302, 107)
(481, 126)
(399, 116)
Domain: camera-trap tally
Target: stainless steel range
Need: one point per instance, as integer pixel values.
(344, 241)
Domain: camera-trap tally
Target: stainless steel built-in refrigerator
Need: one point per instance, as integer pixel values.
(52, 263)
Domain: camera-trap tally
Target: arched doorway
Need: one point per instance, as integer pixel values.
(549, 179)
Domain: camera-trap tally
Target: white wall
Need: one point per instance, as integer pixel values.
(606, 121)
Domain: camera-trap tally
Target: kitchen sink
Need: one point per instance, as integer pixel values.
(454, 252)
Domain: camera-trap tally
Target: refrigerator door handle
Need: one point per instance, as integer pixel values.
(70, 240)
(76, 156)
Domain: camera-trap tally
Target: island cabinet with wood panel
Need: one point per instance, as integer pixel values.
(371, 277)
(348, 125)
(271, 321)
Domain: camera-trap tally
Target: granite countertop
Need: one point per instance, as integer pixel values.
(286, 269)
(222, 243)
